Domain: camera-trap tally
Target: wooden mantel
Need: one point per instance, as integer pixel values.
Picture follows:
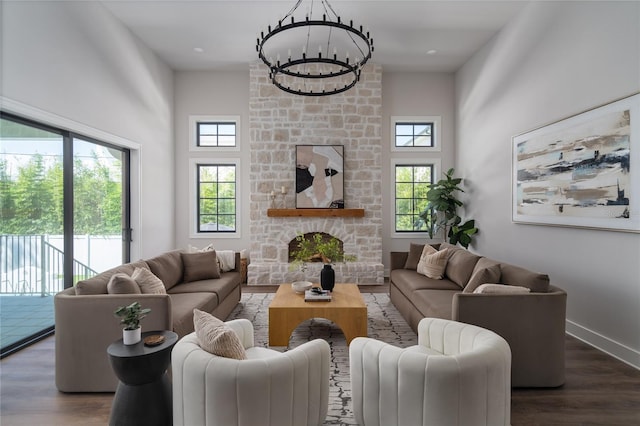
(315, 212)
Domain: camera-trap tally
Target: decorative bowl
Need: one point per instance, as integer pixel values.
(301, 286)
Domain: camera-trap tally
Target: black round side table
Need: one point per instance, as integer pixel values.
(143, 396)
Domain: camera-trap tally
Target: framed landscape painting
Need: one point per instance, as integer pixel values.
(582, 171)
(320, 176)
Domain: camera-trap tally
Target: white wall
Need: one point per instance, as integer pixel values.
(413, 94)
(554, 60)
(218, 94)
(74, 65)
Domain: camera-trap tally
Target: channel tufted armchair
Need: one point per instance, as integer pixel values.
(269, 388)
(458, 374)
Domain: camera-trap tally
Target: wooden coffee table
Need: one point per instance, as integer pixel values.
(288, 309)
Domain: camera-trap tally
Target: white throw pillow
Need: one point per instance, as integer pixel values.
(148, 282)
(433, 262)
(216, 337)
(501, 289)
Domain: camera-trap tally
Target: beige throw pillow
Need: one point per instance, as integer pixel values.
(148, 282)
(501, 289)
(200, 266)
(121, 283)
(215, 337)
(490, 274)
(433, 262)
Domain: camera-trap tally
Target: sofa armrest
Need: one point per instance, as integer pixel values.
(532, 323)
(398, 259)
(86, 326)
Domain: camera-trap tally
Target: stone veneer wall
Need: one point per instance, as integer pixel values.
(279, 121)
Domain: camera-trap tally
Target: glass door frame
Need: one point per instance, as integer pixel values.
(68, 212)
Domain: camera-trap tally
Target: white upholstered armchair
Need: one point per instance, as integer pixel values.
(269, 388)
(458, 374)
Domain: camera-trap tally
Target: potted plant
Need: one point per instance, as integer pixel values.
(130, 316)
(320, 249)
(441, 212)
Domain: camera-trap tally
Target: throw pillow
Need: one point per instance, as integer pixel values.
(214, 336)
(516, 275)
(415, 252)
(433, 262)
(200, 266)
(193, 249)
(501, 289)
(122, 283)
(490, 274)
(148, 282)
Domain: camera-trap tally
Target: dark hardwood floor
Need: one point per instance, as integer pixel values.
(599, 390)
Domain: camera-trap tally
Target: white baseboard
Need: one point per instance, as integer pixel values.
(615, 349)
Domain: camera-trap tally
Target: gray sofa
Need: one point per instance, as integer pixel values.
(532, 323)
(86, 325)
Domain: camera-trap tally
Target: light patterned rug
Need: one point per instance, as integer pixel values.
(385, 324)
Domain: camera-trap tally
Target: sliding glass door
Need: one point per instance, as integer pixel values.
(64, 206)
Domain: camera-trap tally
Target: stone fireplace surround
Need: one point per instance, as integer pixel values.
(280, 121)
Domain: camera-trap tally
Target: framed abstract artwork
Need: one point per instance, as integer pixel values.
(320, 176)
(582, 171)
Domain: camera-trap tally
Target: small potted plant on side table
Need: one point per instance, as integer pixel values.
(131, 316)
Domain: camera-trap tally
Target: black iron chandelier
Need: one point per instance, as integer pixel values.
(342, 51)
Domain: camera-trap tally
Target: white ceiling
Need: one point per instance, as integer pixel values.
(403, 31)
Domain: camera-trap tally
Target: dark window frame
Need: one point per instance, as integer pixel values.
(415, 214)
(199, 199)
(217, 134)
(413, 135)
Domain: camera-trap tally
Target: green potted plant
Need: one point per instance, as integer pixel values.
(320, 249)
(441, 212)
(130, 316)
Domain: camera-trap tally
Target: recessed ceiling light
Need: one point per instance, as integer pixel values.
(432, 52)
(198, 49)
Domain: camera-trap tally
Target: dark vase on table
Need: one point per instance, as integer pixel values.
(327, 277)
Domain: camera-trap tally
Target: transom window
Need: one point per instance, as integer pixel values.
(217, 190)
(414, 134)
(216, 134)
(412, 182)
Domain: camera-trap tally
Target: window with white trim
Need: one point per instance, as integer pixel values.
(411, 182)
(220, 133)
(216, 197)
(415, 133)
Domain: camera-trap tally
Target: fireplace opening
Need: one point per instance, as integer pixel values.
(314, 256)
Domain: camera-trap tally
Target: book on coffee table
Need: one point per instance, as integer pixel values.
(312, 296)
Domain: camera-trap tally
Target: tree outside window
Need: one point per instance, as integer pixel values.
(412, 183)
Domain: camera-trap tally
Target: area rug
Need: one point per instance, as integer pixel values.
(384, 323)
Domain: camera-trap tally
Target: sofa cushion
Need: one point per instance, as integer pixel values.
(409, 281)
(489, 288)
(489, 274)
(515, 275)
(182, 305)
(148, 282)
(222, 286)
(98, 284)
(434, 303)
(167, 267)
(433, 262)
(460, 265)
(200, 266)
(216, 337)
(415, 252)
(121, 283)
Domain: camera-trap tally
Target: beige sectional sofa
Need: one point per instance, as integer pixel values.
(533, 323)
(86, 325)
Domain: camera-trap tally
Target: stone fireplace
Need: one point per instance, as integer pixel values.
(280, 121)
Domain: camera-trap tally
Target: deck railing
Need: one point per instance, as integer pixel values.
(30, 265)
